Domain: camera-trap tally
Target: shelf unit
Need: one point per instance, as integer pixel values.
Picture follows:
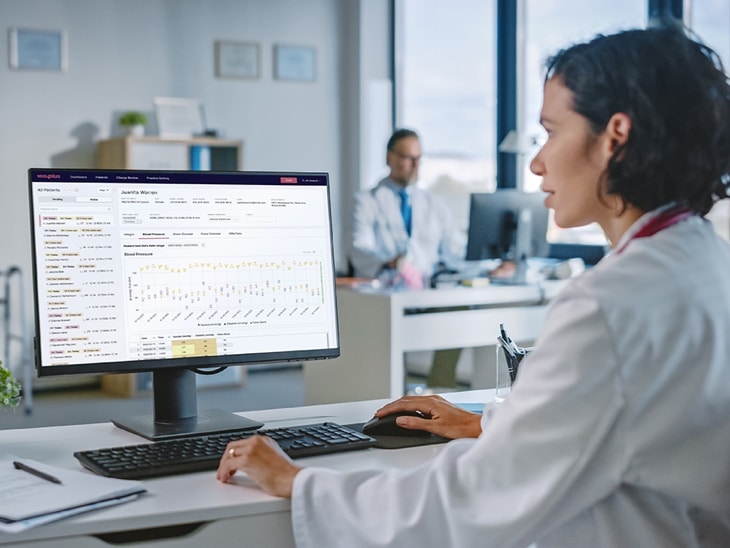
(172, 154)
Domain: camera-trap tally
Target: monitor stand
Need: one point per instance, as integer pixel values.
(176, 414)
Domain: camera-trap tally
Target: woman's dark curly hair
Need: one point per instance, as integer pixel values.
(676, 93)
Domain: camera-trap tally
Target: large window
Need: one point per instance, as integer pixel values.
(550, 26)
(445, 90)
(445, 75)
(710, 19)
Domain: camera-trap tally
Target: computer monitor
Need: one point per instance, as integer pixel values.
(507, 224)
(174, 271)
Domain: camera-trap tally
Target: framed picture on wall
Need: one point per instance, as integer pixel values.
(32, 49)
(295, 63)
(236, 59)
(178, 117)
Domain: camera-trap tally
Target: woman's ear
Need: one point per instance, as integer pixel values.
(618, 129)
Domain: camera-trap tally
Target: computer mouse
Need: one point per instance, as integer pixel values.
(386, 426)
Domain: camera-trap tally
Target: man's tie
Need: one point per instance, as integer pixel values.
(405, 209)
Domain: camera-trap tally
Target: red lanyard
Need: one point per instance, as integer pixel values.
(663, 220)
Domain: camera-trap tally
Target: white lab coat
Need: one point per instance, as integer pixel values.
(379, 234)
(616, 434)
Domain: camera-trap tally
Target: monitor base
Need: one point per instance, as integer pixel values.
(210, 421)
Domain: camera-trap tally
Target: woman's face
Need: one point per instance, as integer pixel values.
(571, 162)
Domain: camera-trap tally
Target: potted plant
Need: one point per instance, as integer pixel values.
(133, 122)
(9, 389)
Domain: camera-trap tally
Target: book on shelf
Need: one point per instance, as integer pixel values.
(200, 157)
(33, 493)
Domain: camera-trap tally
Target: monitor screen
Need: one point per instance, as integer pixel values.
(173, 271)
(507, 224)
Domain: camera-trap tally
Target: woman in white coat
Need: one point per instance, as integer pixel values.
(617, 431)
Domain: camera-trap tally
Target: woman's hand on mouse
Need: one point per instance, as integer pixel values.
(443, 418)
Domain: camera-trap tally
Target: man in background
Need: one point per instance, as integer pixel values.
(400, 227)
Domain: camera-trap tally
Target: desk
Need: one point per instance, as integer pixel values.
(195, 509)
(378, 327)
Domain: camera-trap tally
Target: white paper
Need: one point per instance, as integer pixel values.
(22, 525)
(23, 495)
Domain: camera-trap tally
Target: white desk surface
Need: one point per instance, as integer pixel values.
(193, 498)
(532, 294)
(377, 328)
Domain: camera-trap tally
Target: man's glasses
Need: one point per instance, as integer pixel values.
(413, 159)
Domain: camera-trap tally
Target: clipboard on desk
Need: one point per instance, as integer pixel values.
(33, 493)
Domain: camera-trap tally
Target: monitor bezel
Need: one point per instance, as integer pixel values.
(140, 366)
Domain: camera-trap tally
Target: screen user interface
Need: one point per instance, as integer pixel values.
(140, 270)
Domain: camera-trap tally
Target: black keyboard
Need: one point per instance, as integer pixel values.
(194, 454)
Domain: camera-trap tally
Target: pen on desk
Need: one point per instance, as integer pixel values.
(38, 473)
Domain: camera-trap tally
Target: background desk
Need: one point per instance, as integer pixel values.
(377, 328)
(194, 509)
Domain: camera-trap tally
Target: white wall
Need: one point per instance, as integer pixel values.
(122, 53)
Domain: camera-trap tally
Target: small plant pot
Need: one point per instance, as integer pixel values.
(135, 131)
